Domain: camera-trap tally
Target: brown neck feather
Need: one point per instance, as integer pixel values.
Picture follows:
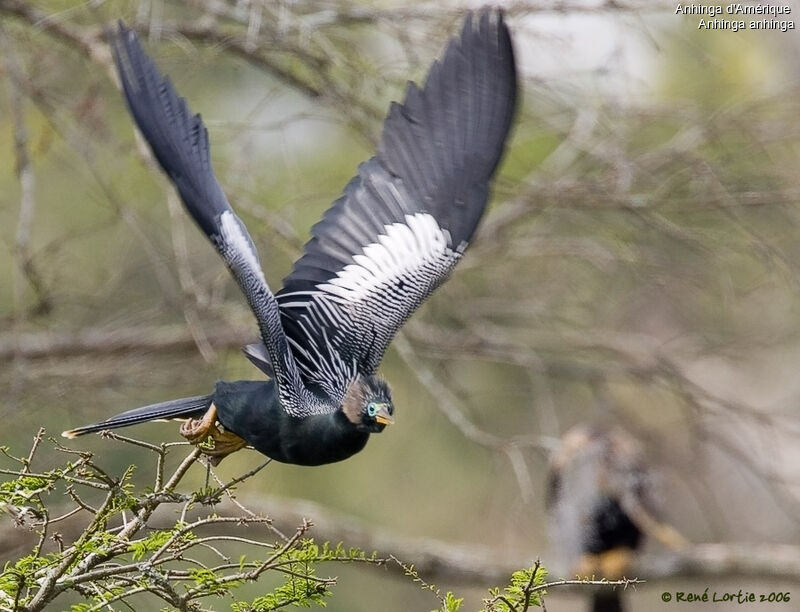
(353, 402)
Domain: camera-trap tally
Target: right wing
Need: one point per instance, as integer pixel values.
(405, 220)
(179, 142)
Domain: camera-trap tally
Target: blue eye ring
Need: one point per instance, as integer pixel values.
(372, 409)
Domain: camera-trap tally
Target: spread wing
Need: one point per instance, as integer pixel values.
(404, 221)
(179, 142)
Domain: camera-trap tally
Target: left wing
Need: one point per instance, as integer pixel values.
(406, 218)
(179, 142)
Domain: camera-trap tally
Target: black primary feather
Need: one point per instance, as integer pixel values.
(177, 138)
(179, 142)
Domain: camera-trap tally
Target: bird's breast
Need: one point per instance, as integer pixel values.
(253, 411)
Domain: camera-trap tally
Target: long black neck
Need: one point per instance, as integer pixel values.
(251, 410)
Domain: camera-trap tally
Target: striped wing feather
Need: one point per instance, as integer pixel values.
(405, 219)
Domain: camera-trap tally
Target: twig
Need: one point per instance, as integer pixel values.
(104, 341)
(113, 435)
(232, 483)
(448, 404)
(54, 477)
(24, 263)
(37, 439)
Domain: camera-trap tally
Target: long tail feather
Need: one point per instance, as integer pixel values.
(179, 408)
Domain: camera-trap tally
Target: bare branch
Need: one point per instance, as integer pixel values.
(114, 340)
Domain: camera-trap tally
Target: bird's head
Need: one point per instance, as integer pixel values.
(368, 404)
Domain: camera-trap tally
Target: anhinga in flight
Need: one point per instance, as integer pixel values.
(381, 249)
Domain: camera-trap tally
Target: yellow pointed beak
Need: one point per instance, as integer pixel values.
(383, 417)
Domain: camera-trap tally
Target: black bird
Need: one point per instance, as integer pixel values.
(602, 502)
(382, 248)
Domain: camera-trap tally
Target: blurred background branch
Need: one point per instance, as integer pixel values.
(640, 263)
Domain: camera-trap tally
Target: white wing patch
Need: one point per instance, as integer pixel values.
(343, 326)
(402, 249)
(236, 240)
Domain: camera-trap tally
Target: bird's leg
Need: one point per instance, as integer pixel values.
(199, 431)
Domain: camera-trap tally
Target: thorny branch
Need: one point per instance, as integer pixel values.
(119, 551)
(107, 553)
(298, 47)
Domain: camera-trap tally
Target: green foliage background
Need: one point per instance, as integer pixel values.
(648, 271)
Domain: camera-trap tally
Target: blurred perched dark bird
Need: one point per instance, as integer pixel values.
(601, 503)
(382, 248)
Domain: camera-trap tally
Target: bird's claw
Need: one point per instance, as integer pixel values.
(212, 439)
(197, 430)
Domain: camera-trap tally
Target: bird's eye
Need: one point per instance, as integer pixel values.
(372, 409)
